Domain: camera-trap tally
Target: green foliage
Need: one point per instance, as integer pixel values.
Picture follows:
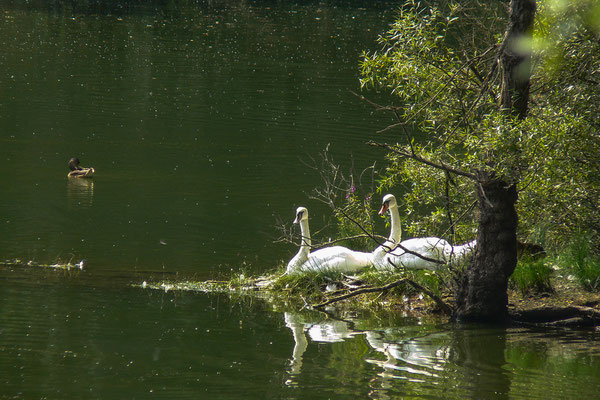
(423, 64)
(564, 187)
(579, 259)
(430, 198)
(532, 276)
(440, 66)
(561, 183)
(359, 209)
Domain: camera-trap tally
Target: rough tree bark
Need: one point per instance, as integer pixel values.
(482, 291)
(515, 60)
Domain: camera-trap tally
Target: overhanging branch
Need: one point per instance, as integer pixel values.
(416, 157)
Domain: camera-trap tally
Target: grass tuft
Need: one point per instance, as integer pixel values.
(532, 276)
(582, 263)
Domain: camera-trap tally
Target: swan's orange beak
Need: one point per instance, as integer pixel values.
(384, 208)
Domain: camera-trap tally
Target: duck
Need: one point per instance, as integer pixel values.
(429, 253)
(335, 258)
(79, 172)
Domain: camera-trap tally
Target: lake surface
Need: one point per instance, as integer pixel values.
(199, 118)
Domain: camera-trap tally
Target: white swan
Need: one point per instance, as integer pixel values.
(389, 203)
(389, 256)
(336, 258)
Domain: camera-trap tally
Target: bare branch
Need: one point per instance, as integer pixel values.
(423, 160)
(414, 253)
(441, 304)
(321, 245)
(361, 291)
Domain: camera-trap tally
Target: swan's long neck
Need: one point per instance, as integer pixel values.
(395, 234)
(304, 251)
(396, 231)
(300, 343)
(305, 242)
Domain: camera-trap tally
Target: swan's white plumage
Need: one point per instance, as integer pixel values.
(302, 256)
(390, 255)
(336, 258)
(389, 204)
(430, 247)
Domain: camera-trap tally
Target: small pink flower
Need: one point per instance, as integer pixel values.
(352, 190)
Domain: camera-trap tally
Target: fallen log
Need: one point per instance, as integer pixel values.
(569, 316)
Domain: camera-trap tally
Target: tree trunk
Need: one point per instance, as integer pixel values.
(481, 295)
(515, 59)
(482, 292)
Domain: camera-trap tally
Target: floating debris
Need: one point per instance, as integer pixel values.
(66, 266)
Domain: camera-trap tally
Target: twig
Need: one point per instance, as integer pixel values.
(447, 203)
(373, 237)
(330, 242)
(390, 249)
(423, 160)
(360, 291)
(486, 200)
(441, 304)
(326, 244)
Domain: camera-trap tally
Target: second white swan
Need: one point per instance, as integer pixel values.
(435, 251)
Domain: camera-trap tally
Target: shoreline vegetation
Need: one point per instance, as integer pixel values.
(567, 306)
(547, 291)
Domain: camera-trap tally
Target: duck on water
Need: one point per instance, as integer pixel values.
(78, 171)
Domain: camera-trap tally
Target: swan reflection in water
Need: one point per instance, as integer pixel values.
(329, 331)
(414, 357)
(80, 192)
(408, 359)
(411, 354)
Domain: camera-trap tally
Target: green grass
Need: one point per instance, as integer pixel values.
(310, 287)
(580, 261)
(532, 276)
(314, 287)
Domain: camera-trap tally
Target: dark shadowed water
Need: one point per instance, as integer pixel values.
(196, 118)
(199, 118)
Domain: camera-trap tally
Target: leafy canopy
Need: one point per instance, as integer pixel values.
(440, 66)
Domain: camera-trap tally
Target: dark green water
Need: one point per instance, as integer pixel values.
(197, 116)
(73, 335)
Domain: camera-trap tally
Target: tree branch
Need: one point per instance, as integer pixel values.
(441, 304)
(360, 291)
(423, 160)
(398, 246)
